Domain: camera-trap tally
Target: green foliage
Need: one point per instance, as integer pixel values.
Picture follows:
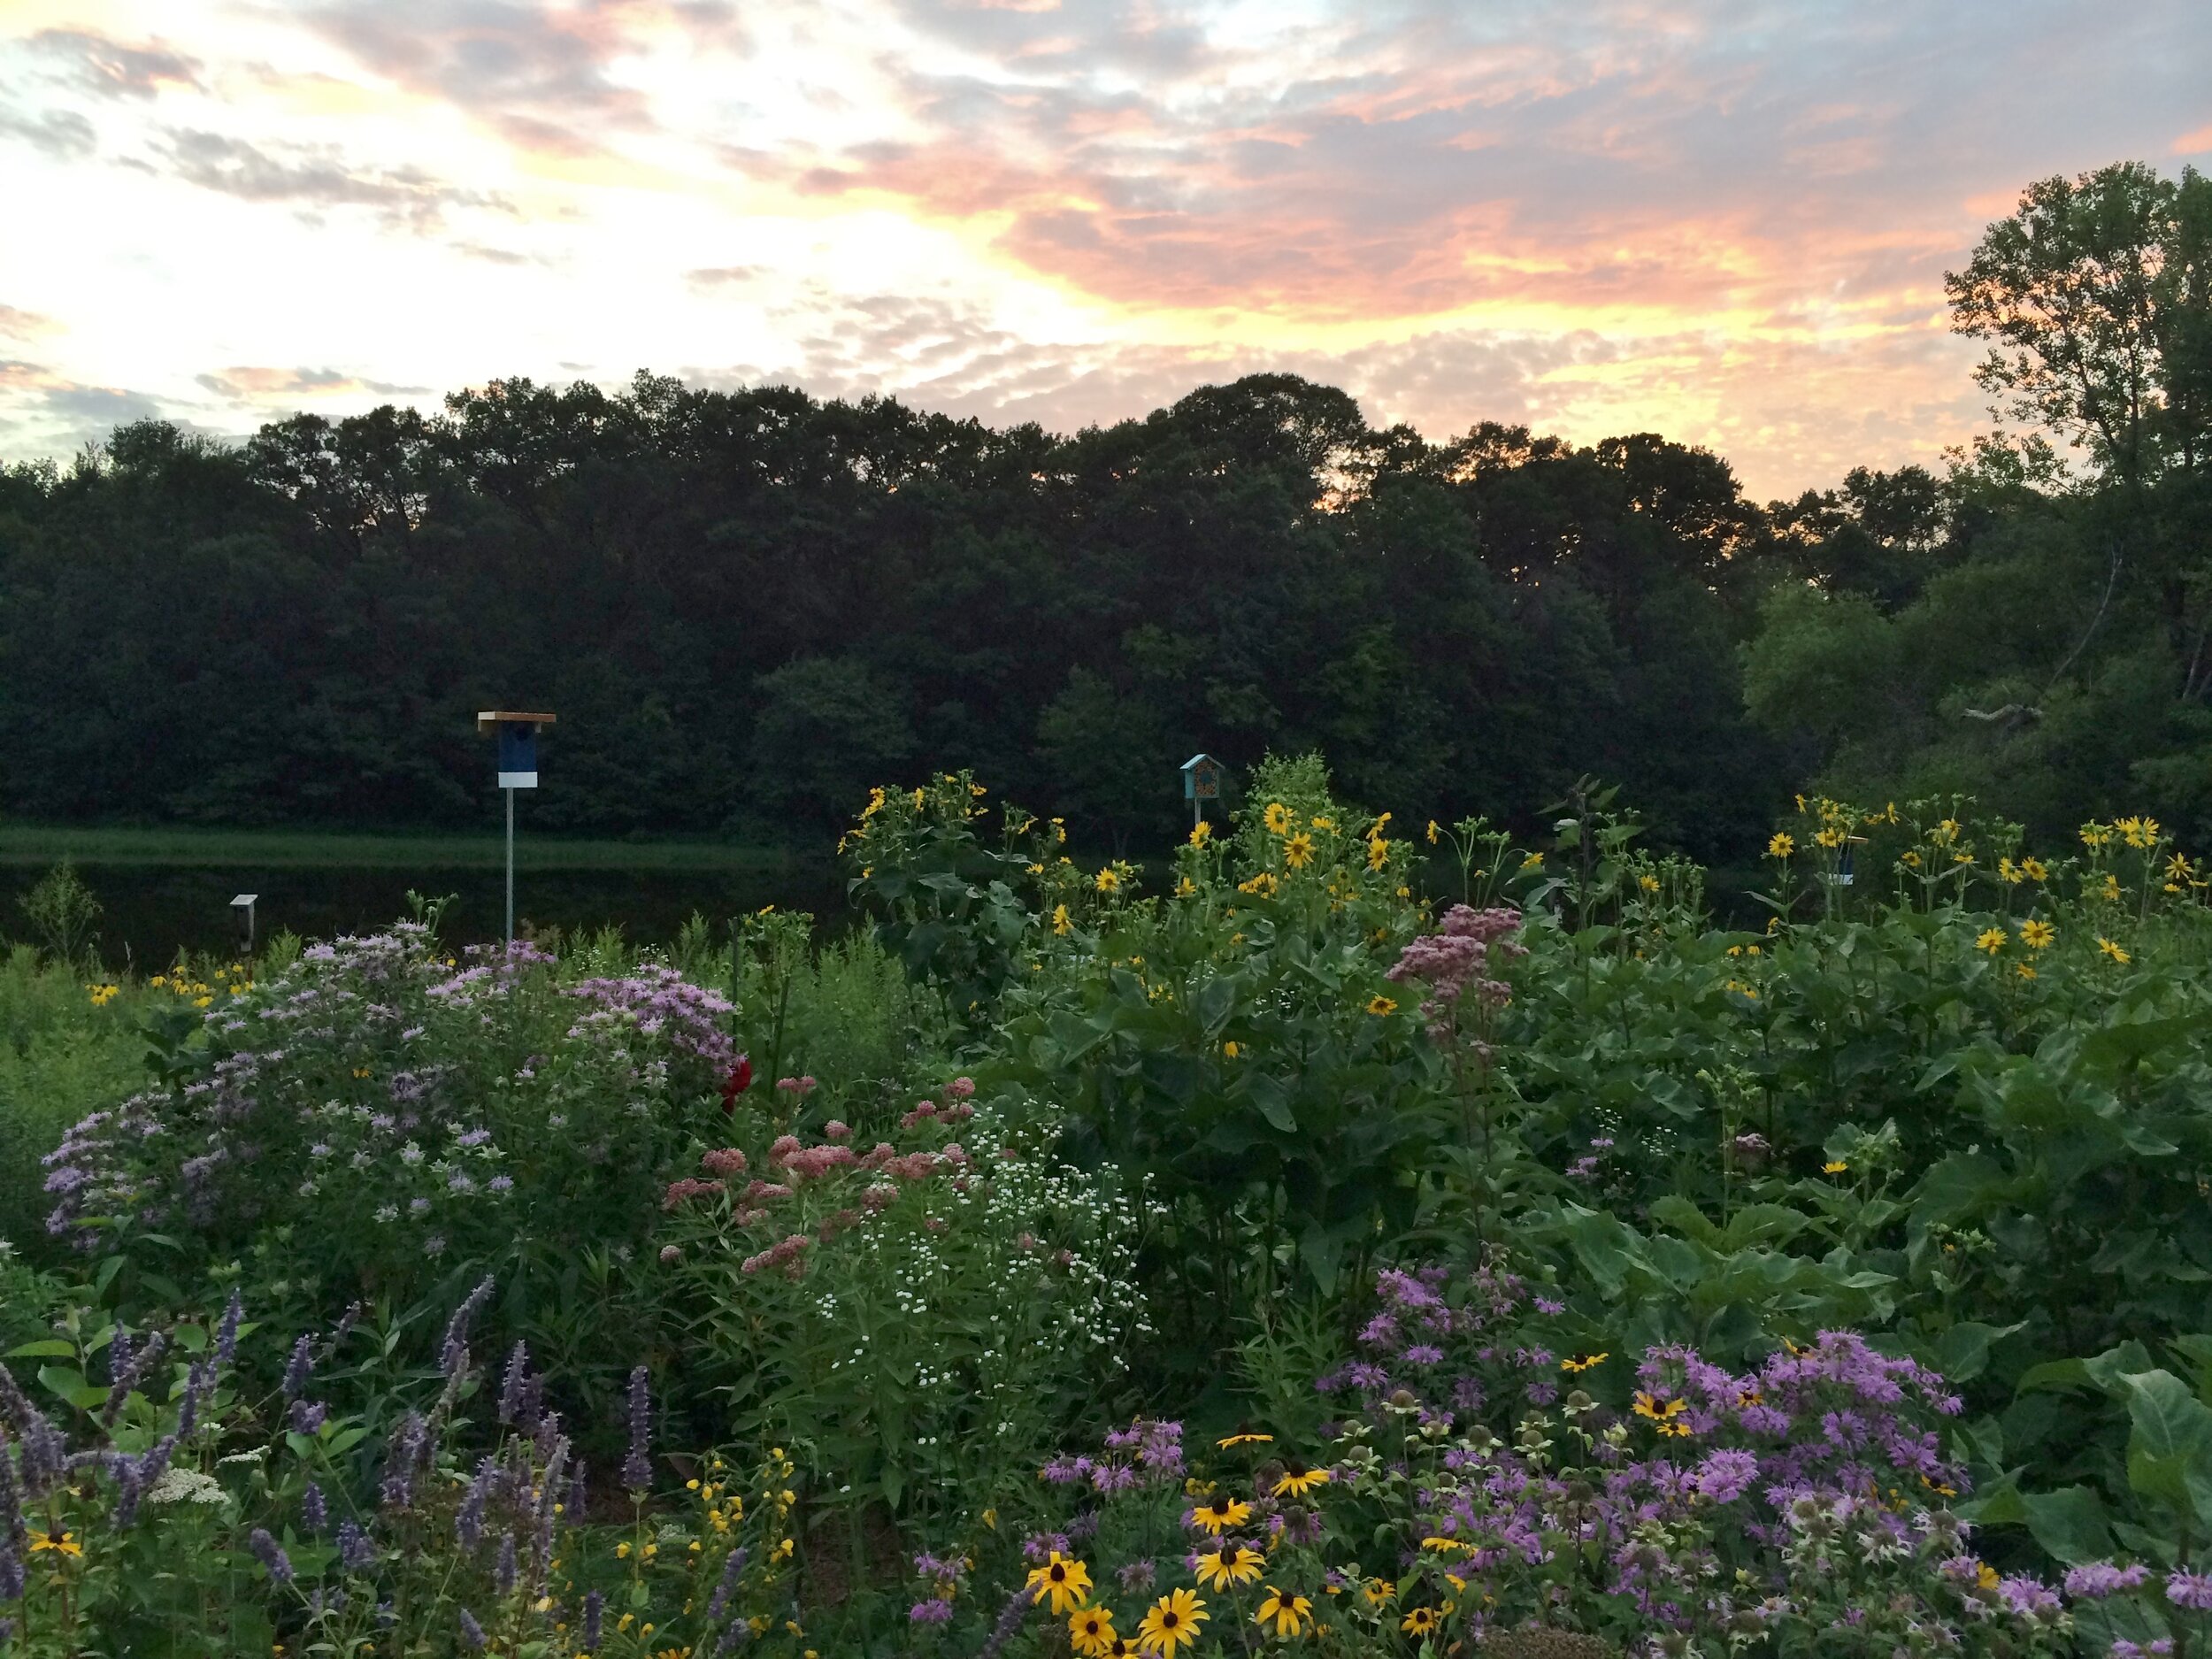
(922, 1319)
(61, 910)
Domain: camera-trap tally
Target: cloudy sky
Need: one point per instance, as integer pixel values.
(1725, 220)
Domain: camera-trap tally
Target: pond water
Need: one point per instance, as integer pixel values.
(149, 911)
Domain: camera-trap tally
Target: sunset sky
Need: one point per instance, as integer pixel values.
(1724, 222)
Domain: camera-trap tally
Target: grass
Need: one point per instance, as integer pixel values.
(278, 849)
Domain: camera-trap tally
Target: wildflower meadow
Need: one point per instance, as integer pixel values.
(1332, 1235)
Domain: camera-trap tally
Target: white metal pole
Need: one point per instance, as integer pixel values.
(511, 870)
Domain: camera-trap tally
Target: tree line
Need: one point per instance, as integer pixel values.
(747, 606)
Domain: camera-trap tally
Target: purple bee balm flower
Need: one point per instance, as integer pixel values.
(2192, 1590)
(2100, 1579)
(1726, 1475)
(2028, 1598)
(934, 1611)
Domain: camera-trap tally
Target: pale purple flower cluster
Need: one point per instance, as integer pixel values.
(686, 1017)
(2100, 1579)
(1456, 960)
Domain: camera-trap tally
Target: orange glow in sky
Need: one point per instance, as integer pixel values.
(1725, 222)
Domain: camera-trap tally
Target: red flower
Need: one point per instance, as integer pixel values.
(741, 1078)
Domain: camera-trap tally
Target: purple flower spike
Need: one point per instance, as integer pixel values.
(270, 1554)
(299, 1367)
(227, 1333)
(637, 1468)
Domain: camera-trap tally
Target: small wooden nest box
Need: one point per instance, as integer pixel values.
(1202, 778)
(517, 734)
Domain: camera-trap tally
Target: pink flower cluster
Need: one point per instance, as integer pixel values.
(1457, 959)
(787, 1255)
(954, 1110)
(725, 1161)
(687, 1188)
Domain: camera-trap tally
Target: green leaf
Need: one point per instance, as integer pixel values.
(50, 1347)
(2070, 1523)
(1961, 1352)
(2170, 1427)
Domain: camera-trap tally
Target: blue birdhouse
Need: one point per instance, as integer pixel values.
(1202, 778)
(518, 736)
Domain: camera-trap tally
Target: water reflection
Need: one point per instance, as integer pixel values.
(149, 911)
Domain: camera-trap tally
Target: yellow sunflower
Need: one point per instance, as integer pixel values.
(1277, 818)
(1298, 850)
(1379, 1005)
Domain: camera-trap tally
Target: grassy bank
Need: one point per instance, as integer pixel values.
(286, 849)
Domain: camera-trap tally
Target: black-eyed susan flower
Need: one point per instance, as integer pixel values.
(1091, 1631)
(1218, 1512)
(1229, 1564)
(1662, 1414)
(1380, 1591)
(1297, 1479)
(1419, 1621)
(1288, 1614)
(1586, 1362)
(64, 1544)
(1244, 1437)
(1066, 1583)
(1169, 1622)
